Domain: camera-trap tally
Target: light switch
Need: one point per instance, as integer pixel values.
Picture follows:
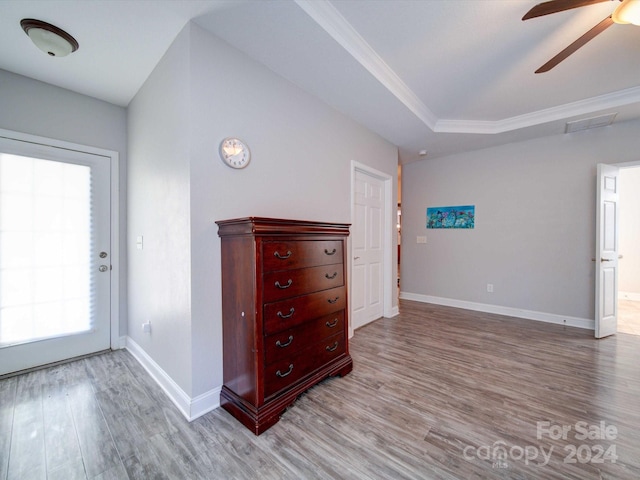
(421, 239)
(139, 242)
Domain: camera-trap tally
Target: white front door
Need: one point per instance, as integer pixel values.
(607, 214)
(55, 256)
(367, 249)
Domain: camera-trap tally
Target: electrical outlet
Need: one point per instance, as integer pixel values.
(490, 287)
(421, 239)
(146, 327)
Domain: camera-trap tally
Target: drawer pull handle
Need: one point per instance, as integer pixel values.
(282, 257)
(282, 345)
(332, 324)
(281, 315)
(333, 301)
(284, 286)
(282, 375)
(331, 277)
(330, 252)
(331, 348)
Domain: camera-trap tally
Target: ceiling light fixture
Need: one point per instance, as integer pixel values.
(627, 12)
(50, 39)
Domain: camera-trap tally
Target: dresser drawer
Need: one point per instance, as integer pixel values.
(282, 373)
(292, 312)
(291, 283)
(300, 253)
(289, 342)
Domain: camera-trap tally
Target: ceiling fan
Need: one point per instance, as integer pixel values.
(627, 12)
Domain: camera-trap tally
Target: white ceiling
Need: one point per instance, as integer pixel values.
(441, 75)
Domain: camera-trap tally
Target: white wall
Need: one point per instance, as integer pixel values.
(37, 108)
(629, 279)
(159, 211)
(300, 168)
(534, 234)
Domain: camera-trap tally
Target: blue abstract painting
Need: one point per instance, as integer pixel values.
(451, 217)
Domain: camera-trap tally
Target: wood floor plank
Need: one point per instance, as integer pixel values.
(94, 437)
(62, 449)
(145, 464)
(122, 424)
(73, 470)
(116, 473)
(238, 448)
(27, 449)
(220, 458)
(61, 442)
(104, 370)
(8, 389)
(435, 393)
(175, 461)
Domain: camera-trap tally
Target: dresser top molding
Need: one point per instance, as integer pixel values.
(278, 226)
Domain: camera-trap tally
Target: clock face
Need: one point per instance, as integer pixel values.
(234, 153)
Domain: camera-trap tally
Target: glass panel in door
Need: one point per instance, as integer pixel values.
(54, 229)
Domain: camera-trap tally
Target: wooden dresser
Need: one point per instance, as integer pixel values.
(284, 313)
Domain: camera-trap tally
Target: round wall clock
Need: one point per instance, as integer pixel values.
(234, 152)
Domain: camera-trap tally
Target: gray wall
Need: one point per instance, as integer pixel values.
(535, 222)
(202, 91)
(37, 108)
(159, 211)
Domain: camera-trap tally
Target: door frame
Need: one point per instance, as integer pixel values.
(387, 240)
(621, 166)
(113, 156)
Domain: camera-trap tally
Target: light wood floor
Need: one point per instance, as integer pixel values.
(434, 393)
(629, 317)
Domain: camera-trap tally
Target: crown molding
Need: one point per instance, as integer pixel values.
(332, 21)
(561, 112)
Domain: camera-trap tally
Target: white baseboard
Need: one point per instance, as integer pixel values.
(586, 323)
(205, 403)
(191, 408)
(392, 312)
(629, 296)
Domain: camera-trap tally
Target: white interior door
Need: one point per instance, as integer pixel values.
(55, 260)
(367, 249)
(607, 215)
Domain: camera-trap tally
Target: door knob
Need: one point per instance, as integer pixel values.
(103, 268)
(103, 255)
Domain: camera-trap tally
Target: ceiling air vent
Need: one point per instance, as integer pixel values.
(587, 123)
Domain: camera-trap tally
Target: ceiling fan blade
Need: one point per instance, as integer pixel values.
(555, 6)
(598, 29)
